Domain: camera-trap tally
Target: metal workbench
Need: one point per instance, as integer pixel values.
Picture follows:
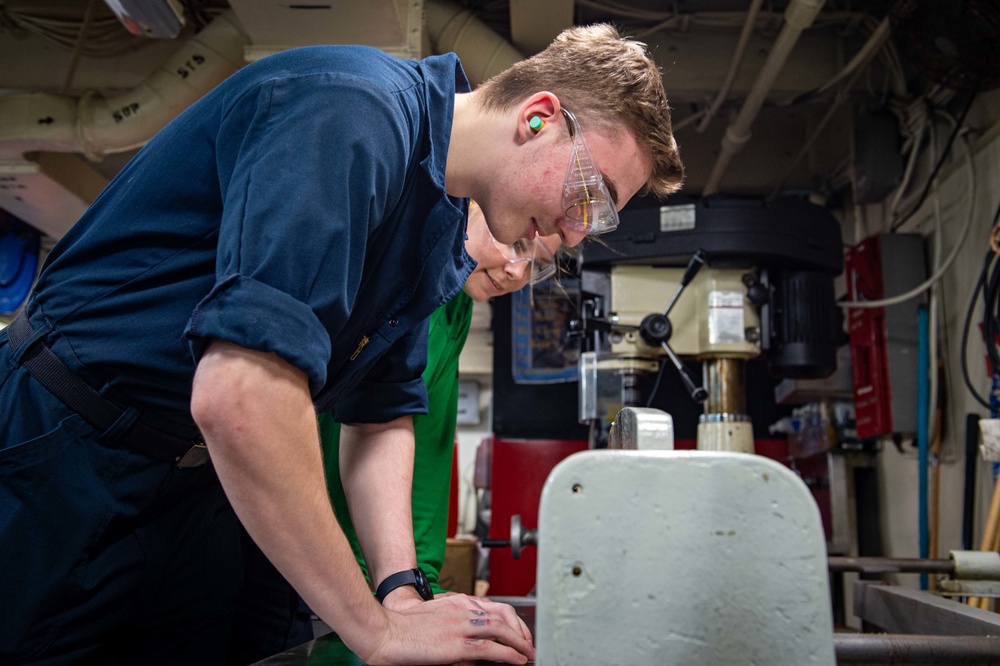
(972, 635)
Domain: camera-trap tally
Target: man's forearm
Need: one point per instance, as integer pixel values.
(257, 418)
(376, 466)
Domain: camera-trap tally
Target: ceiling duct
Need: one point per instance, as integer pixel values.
(49, 189)
(482, 51)
(95, 125)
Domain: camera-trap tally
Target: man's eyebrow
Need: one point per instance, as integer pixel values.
(611, 188)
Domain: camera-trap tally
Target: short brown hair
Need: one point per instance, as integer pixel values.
(605, 80)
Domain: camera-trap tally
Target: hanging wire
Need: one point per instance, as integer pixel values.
(963, 234)
(81, 39)
(937, 167)
(989, 289)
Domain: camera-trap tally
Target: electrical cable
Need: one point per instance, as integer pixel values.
(919, 289)
(991, 320)
(865, 54)
(918, 139)
(933, 304)
(656, 384)
(105, 38)
(88, 16)
(990, 289)
(832, 108)
(937, 167)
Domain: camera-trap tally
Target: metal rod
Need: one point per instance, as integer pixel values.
(861, 649)
(697, 393)
(876, 565)
(725, 381)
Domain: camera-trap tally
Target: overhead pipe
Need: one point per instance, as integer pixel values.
(95, 125)
(799, 16)
(482, 51)
(734, 65)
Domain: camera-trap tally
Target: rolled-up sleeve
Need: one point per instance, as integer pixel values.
(265, 318)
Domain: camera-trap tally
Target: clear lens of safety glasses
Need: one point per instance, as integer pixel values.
(543, 266)
(586, 199)
(540, 261)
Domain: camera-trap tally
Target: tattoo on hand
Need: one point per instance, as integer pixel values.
(479, 623)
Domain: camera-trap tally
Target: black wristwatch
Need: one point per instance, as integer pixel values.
(414, 577)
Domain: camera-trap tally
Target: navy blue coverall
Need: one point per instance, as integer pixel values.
(299, 208)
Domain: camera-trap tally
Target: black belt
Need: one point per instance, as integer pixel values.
(76, 394)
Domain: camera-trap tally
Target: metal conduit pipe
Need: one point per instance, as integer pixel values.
(95, 126)
(799, 15)
(881, 565)
(482, 51)
(863, 649)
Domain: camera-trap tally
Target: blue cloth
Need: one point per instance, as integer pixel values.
(299, 208)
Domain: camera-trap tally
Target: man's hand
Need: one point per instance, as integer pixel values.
(406, 597)
(452, 628)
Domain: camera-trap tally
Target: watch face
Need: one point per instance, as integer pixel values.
(423, 588)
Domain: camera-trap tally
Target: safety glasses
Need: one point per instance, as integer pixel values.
(540, 261)
(588, 203)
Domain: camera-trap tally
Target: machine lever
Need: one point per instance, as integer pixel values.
(697, 393)
(694, 265)
(519, 538)
(495, 543)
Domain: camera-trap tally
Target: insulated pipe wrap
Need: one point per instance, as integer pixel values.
(801, 14)
(483, 52)
(127, 121)
(96, 126)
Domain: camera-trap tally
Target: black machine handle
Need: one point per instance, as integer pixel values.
(656, 328)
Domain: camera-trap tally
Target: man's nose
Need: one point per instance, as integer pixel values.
(570, 235)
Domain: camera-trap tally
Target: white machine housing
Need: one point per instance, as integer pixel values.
(711, 318)
(701, 558)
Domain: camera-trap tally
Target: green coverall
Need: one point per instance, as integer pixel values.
(435, 440)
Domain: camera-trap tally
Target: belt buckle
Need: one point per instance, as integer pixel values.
(196, 456)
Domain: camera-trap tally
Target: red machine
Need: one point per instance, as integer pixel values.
(518, 471)
(884, 340)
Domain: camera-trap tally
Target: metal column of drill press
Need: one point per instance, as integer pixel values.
(725, 425)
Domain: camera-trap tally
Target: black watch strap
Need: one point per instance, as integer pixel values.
(414, 577)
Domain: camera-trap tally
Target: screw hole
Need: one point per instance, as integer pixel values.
(577, 571)
(577, 489)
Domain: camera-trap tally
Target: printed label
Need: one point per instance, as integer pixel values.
(677, 218)
(725, 317)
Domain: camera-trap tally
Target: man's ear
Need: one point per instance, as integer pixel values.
(536, 114)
